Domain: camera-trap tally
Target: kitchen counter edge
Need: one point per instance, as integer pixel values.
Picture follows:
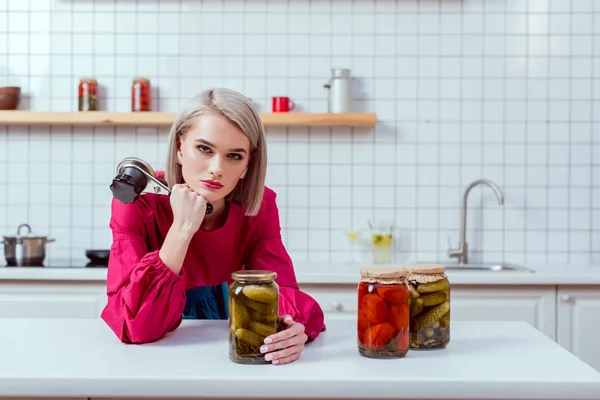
(344, 274)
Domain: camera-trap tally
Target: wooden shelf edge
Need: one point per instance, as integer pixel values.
(105, 118)
(317, 119)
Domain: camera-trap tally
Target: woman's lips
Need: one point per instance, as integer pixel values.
(213, 185)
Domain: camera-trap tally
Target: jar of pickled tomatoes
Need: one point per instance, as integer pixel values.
(383, 313)
(140, 95)
(87, 95)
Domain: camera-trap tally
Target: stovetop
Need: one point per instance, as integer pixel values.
(62, 263)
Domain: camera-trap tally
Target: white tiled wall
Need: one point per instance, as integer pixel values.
(497, 89)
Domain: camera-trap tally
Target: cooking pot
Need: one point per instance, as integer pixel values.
(25, 250)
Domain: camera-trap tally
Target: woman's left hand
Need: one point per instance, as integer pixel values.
(285, 346)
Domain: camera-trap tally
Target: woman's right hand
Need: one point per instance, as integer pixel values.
(188, 207)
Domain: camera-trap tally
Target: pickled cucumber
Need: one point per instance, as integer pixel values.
(433, 299)
(262, 308)
(261, 329)
(436, 286)
(413, 292)
(416, 306)
(445, 320)
(431, 316)
(241, 316)
(249, 337)
(262, 294)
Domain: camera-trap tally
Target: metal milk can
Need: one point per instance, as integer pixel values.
(340, 91)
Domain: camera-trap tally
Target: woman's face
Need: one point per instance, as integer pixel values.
(214, 155)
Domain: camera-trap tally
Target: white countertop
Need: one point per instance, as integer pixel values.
(82, 357)
(339, 273)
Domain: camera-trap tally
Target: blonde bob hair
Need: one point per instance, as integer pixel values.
(238, 110)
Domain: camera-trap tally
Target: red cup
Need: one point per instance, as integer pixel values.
(283, 104)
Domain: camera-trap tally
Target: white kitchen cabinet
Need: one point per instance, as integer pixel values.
(578, 314)
(334, 299)
(51, 299)
(533, 304)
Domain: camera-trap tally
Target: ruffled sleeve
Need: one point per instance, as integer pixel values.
(145, 298)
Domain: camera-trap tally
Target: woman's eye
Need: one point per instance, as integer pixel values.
(236, 157)
(204, 149)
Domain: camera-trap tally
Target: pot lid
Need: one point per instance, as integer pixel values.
(29, 234)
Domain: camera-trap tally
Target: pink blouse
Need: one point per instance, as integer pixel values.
(146, 299)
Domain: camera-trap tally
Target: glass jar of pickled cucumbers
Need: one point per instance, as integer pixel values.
(383, 313)
(429, 306)
(253, 314)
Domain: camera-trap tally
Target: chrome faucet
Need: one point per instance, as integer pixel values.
(462, 252)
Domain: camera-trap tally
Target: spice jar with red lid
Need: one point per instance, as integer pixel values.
(140, 95)
(87, 94)
(383, 313)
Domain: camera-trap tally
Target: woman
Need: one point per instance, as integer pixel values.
(169, 260)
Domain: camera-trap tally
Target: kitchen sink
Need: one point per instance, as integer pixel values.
(492, 267)
(488, 267)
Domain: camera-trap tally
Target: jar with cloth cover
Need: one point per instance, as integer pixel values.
(383, 313)
(429, 306)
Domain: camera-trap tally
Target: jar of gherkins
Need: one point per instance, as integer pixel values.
(429, 306)
(383, 313)
(253, 314)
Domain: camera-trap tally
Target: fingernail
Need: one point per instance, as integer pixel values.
(268, 340)
(269, 357)
(276, 362)
(289, 319)
(264, 349)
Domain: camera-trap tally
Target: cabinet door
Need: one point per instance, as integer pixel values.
(334, 299)
(578, 322)
(533, 304)
(51, 300)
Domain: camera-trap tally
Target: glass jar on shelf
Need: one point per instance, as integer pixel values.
(253, 314)
(429, 306)
(140, 94)
(383, 313)
(87, 94)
